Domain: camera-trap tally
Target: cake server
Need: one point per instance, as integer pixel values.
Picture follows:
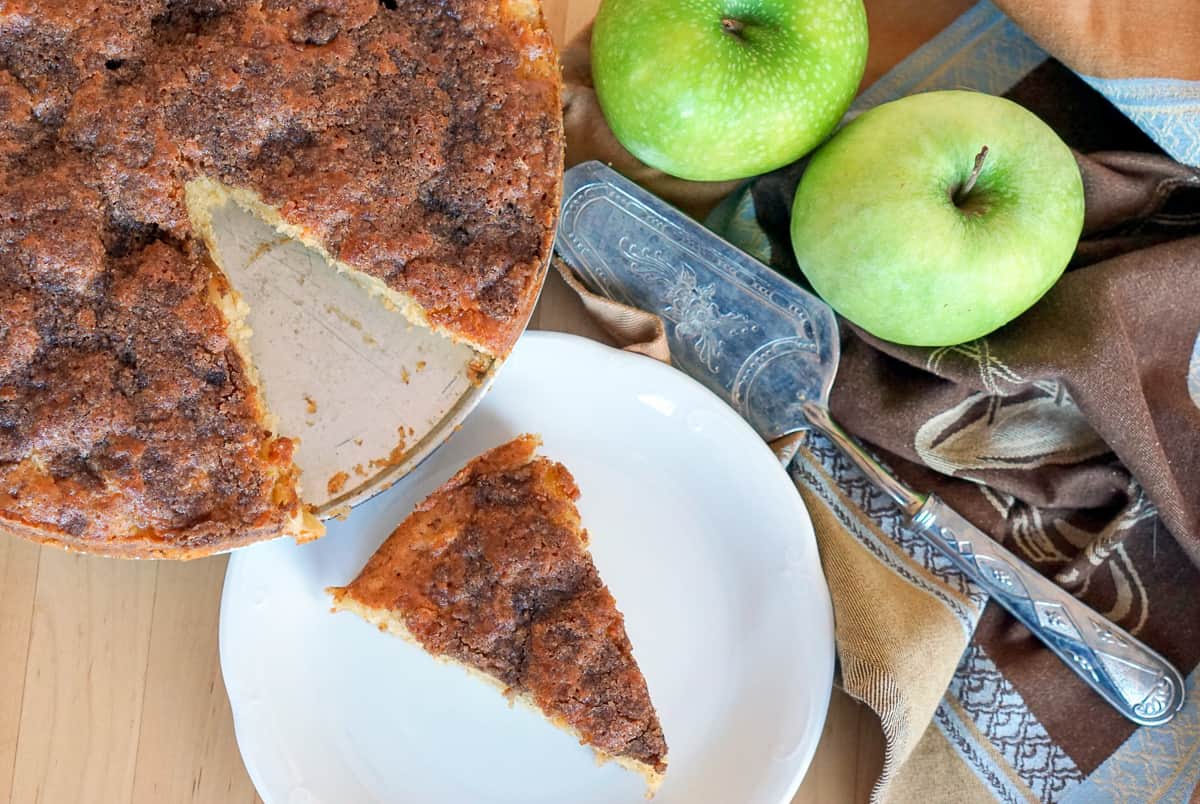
(771, 351)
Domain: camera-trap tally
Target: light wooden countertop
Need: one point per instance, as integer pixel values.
(110, 682)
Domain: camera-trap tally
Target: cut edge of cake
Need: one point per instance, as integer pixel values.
(388, 623)
(302, 524)
(205, 194)
(275, 453)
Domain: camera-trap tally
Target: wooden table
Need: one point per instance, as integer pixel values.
(110, 684)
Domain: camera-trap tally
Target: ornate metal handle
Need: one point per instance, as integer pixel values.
(1138, 682)
(908, 500)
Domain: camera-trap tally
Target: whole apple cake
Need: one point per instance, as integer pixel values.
(416, 143)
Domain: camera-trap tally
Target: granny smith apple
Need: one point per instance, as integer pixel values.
(937, 218)
(724, 89)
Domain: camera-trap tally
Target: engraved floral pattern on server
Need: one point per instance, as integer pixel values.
(1001, 574)
(1105, 634)
(1156, 702)
(1084, 663)
(1059, 623)
(691, 306)
(1055, 618)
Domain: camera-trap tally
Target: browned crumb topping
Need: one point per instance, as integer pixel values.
(337, 483)
(124, 408)
(396, 456)
(419, 140)
(493, 571)
(478, 368)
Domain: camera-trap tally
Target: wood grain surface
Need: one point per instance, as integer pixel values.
(110, 682)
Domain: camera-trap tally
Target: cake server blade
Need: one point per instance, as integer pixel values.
(771, 350)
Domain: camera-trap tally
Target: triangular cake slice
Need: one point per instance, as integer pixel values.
(492, 571)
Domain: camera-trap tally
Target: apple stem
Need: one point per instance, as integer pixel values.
(960, 196)
(733, 27)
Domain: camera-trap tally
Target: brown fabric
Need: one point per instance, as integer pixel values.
(633, 330)
(1068, 435)
(1115, 334)
(934, 774)
(1115, 38)
(896, 658)
(1116, 338)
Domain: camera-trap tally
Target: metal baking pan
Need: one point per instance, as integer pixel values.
(367, 394)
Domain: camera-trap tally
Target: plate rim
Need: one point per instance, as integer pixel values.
(822, 696)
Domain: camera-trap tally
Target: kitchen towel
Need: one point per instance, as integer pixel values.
(1144, 57)
(1073, 436)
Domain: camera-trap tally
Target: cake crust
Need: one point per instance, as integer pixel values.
(492, 572)
(417, 143)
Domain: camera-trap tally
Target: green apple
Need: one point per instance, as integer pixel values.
(724, 89)
(937, 218)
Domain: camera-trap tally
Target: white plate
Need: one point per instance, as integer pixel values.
(697, 531)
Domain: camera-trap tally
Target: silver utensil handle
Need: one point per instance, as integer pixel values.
(1137, 681)
(819, 417)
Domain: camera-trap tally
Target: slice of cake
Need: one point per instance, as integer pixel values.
(492, 571)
